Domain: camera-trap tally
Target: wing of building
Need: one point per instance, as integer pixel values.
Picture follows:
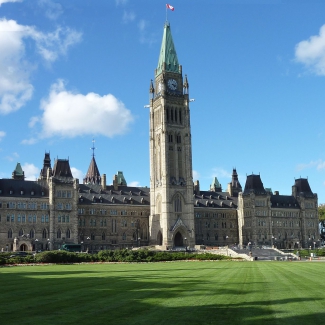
(56, 209)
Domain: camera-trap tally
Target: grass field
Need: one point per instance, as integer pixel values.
(164, 293)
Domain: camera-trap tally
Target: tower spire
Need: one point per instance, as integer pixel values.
(93, 148)
(93, 175)
(168, 60)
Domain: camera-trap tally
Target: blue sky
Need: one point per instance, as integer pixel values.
(75, 70)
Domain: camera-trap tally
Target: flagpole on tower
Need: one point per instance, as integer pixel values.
(168, 6)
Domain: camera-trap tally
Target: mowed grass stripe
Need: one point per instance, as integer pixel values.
(164, 293)
(291, 291)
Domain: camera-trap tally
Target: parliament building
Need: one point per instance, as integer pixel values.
(172, 212)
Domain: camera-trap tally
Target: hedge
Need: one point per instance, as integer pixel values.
(123, 255)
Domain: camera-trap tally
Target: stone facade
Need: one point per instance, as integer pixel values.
(56, 209)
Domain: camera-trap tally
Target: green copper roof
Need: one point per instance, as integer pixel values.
(120, 179)
(167, 53)
(215, 183)
(18, 170)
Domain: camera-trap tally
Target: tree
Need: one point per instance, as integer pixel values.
(321, 217)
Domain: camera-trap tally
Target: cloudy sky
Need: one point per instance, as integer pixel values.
(73, 71)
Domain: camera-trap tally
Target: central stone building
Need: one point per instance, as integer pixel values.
(171, 220)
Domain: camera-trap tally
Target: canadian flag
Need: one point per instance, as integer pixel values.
(170, 7)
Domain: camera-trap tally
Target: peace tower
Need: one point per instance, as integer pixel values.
(171, 184)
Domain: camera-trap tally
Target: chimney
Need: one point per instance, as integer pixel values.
(104, 182)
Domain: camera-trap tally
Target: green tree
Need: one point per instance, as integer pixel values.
(321, 217)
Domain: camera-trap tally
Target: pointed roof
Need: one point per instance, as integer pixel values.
(254, 184)
(215, 185)
(234, 179)
(168, 60)
(18, 173)
(93, 175)
(46, 165)
(61, 168)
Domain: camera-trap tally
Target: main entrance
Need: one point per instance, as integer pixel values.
(23, 247)
(178, 239)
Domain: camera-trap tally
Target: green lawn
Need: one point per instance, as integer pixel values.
(164, 293)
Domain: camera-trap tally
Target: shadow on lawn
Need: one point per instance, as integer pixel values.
(83, 297)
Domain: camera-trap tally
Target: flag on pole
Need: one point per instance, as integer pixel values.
(170, 7)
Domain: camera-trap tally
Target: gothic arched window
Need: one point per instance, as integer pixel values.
(58, 233)
(177, 203)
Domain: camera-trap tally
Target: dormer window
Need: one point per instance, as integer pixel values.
(21, 192)
(11, 192)
(43, 193)
(32, 193)
(142, 200)
(140, 192)
(130, 193)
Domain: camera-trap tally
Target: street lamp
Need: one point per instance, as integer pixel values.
(185, 244)
(36, 241)
(88, 238)
(48, 244)
(139, 242)
(314, 245)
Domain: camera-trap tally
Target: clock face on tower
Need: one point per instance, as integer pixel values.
(172, 84)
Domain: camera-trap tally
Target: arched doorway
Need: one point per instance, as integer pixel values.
(178, 239)
(159, 238)
(23, 247)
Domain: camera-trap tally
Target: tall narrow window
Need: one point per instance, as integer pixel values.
(10, 233)
(68, 233)
(58, 233)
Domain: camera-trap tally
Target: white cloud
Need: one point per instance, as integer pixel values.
(31, 171)
(128, 16)
(15, 86)
(220, 173)
(12, 157)
(29, 141)
(142, 25)
(196, 175)
(134, 184)
(319, 164)
(52, 9)
(311, 52)
(121, 2)
(2, 134)
(4, 1)
(70, 114)
(76, 173)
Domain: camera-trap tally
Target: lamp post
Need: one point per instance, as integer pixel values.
(185, 244)
(48, 244)
(36, 241)
(88, 238)
(272, 241)
(81, 245)
(314, 245)
(139, 242)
